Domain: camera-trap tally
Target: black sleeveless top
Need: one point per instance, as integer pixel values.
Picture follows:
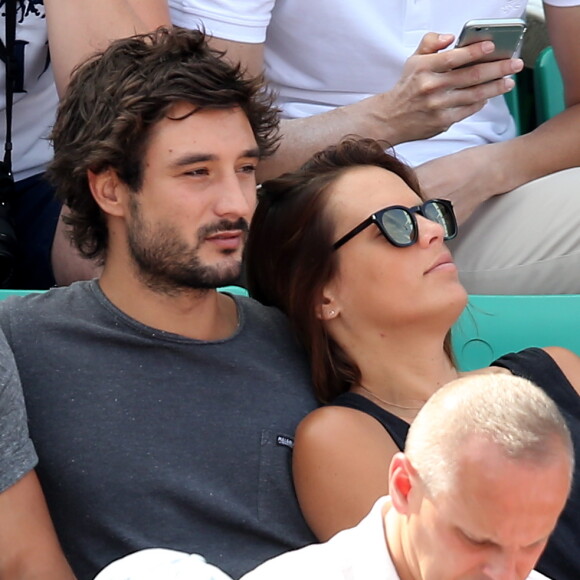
(396, 428)
(561, 558)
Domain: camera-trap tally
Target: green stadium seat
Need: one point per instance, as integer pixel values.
(492, 326)
(548, 86)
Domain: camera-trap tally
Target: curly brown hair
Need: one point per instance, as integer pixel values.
(290, 258)
(115, 98)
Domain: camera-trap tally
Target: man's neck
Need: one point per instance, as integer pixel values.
(198, 314)
(395, 543)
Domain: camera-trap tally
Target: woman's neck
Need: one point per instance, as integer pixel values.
(400, 376)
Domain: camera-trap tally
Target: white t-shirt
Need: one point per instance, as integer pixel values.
(36, 101)
(326, 53)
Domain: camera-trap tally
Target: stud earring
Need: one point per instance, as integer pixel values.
(331, 313)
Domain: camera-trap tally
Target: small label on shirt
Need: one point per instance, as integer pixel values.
(285, 441)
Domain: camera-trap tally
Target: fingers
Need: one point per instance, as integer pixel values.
(432, 43)
(480, 92)
(472, 55)
(445, 108)
(466, 55)
(459, 105)
(464, 87)
(464, 102)
(485, 73)
(460, 67)
(433, 89)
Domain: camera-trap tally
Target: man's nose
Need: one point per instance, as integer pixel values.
(235, 199)
(505, 566)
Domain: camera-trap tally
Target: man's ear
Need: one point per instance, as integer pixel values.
(108, 191)
(402, 474)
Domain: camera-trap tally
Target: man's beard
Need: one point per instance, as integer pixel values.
(166, 264)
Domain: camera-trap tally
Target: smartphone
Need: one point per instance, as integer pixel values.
(506, 33)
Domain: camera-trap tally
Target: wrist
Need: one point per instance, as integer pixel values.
(376, 117)
(510, 163)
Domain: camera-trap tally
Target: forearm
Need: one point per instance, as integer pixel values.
(411, 110)
(553, 146)
(29, 549)
(435, 90)
(301, 138)
(78, 28)
(473, 175)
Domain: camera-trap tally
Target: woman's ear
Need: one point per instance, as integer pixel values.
(327, 309)
(108, 191)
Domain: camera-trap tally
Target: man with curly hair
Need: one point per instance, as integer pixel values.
(161, 409)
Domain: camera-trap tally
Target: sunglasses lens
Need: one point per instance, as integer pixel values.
(443, 215)
(399, 225)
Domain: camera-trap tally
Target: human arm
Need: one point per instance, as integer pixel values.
(29, 549)
(471, 176)
(431, 94)
(340, 467)
(77, 28)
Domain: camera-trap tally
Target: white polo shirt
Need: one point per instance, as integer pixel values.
(320, 54)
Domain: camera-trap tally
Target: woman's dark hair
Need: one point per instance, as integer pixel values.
(115, 99)
(290, 257)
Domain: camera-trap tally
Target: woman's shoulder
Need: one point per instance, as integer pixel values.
(335, 420)
(343, 429)
(341, 457)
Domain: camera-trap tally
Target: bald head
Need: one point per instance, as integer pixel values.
(507, 411)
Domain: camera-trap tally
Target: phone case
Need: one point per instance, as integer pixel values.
(506, 33)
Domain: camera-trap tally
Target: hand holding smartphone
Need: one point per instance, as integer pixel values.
(506, 33)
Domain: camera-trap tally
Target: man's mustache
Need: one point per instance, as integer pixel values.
(223, 226)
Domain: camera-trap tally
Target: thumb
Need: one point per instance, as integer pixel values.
(433, 42)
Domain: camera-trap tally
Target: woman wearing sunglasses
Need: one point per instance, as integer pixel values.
(357, 260)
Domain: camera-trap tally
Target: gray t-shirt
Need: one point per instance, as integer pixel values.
(17, 455)
(150, 439)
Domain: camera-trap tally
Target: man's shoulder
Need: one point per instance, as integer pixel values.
(255, 316)
(260, 312)
(267, 323)
(32, 310)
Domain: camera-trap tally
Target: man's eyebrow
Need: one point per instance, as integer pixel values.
(253, 152)
(475, 538)
(192, 158)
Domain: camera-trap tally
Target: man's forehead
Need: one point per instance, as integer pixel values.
(183, 109)
(204, 134)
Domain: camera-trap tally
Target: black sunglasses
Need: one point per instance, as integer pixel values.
(399, 225)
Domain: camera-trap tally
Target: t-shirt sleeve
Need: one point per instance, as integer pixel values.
(245, 21)
(17, 454)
